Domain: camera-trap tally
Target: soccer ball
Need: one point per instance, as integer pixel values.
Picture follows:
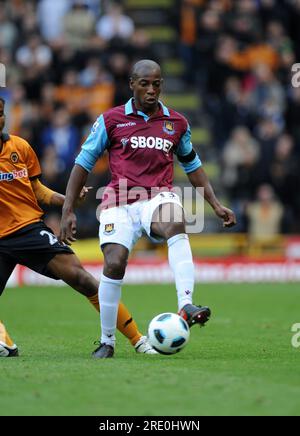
(168, 333)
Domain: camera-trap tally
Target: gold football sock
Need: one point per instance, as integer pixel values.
(125, 323)
(4, 336)
(95, 302)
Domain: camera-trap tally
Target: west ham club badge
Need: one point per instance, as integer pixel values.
(169, 127)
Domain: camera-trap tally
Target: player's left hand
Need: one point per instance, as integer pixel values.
(227, 215)
(68, 228)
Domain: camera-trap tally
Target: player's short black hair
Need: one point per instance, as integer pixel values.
(2, 100)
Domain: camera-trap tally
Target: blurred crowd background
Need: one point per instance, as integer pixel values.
(227, 67)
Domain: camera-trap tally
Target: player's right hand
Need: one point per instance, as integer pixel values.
(68, 228)
(227, 215)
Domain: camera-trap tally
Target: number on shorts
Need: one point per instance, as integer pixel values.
(167, 195)
(52, 239)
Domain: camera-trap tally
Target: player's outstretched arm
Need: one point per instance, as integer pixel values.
(198, 178)
(44, 195)
(75, 185)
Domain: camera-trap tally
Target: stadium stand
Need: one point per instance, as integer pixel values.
(227, 67)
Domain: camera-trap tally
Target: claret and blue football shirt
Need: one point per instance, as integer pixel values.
(141, 148)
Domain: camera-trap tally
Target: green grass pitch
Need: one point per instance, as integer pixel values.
(241, 363)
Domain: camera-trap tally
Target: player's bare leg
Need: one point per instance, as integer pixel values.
(68, 268)
(115, 261)
(180, 259)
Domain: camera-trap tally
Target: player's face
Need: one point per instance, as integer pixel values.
(146, 90)
(2, 116)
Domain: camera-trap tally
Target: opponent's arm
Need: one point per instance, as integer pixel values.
(45, 195)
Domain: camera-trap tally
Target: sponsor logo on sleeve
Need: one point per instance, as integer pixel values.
(95, 127)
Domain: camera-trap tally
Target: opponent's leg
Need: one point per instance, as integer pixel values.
(180, 260)
(7, 346)
(7, 266)
(68, 268)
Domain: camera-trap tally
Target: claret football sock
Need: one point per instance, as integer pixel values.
(181, 262)
(125, 323)
(109, 297)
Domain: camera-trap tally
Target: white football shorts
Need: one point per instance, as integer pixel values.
(124, 225)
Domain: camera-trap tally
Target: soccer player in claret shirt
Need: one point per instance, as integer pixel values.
(26, 240)
(141, 137)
